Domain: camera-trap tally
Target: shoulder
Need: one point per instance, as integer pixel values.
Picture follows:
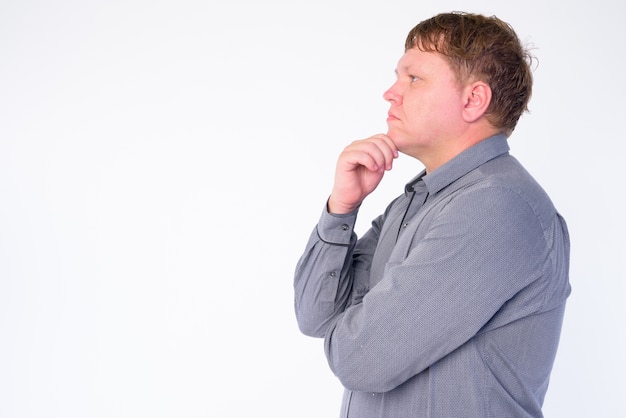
(500, 190)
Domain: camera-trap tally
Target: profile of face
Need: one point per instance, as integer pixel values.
(426, 104)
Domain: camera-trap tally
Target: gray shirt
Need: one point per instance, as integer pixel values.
(451, 304)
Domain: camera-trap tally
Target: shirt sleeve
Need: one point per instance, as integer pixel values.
(474, 254)
(333, 272)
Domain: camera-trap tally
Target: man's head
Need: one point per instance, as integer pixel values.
(481, 48)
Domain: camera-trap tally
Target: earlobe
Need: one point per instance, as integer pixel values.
(478, 97)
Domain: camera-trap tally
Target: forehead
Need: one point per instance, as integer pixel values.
(415, 59)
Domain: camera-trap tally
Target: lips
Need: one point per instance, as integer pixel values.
(391, 116)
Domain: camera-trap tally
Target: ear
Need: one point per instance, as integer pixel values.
(477, 99)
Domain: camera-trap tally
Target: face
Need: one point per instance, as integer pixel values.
(426, 105)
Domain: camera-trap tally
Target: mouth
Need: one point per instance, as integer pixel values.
(391, 117)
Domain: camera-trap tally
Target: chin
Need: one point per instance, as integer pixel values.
(396, 137)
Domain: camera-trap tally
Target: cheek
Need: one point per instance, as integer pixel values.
(439, 107)
(422, 109)
(415, 105)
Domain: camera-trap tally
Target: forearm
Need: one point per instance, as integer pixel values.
(439, 289)
(323, 277)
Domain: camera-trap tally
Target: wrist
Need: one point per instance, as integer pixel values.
(338, 208)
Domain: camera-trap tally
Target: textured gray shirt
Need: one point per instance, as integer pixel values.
(451, 304)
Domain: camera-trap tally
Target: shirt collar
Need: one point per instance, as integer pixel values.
(462, 164)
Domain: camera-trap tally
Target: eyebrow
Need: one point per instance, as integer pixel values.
(405, 68)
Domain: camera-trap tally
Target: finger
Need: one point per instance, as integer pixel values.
(387, 148)
(391, 144)
(366, 155)
(380, 150)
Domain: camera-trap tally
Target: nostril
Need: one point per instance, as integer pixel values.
(391, 97)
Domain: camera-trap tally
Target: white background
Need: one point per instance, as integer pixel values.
(163, 162)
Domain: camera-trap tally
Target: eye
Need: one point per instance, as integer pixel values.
(413, 78)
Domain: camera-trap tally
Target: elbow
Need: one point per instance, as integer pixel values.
(312, 325)
(310, 328)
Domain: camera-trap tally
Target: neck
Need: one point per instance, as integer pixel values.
(450, 148)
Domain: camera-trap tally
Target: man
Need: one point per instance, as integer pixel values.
(451, 305)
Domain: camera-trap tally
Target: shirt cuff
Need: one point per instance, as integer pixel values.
(336, 228)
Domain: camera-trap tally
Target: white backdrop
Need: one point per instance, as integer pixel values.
(163, 162)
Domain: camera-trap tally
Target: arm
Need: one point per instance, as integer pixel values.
(454, 279)
(334, 269)
(333, 272)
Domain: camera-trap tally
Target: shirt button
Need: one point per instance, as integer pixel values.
(345, 227)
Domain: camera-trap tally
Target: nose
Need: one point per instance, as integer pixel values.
(392, 95)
